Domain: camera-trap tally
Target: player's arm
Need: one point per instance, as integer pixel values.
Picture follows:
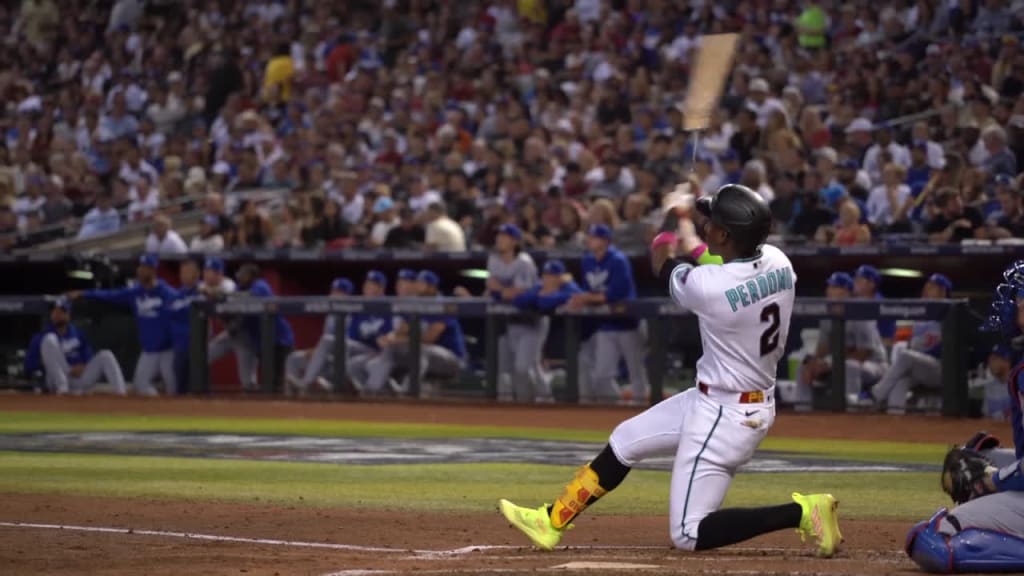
(527, 300)
(123, 296)
(555, 300)
(433, 332)
(85, 351)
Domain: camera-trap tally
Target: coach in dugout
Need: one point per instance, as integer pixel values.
(62, 355)
(250, 284)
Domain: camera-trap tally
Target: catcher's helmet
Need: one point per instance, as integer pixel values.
(742, 213)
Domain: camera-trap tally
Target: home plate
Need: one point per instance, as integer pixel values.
(604, 566)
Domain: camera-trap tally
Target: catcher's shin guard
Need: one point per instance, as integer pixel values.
(970, 550)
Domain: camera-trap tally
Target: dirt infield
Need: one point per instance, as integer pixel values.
(61, 534)
(400, 542)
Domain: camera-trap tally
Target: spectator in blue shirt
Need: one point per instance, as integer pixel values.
(101, 220)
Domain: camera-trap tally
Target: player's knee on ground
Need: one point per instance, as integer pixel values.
(939, 545)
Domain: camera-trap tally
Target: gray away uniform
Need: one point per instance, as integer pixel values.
(521, 348)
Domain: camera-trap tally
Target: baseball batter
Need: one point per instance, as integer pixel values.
(744, 308)
(303, 368)
(555, 289)
(149, 300)
(985, 532)
(364, 330)
(65, 358)
(608, 279)
(866, 359)
(918, 363)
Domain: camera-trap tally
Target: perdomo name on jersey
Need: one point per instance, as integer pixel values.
(762, 285)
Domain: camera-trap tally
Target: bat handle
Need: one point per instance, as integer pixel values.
(696, 146)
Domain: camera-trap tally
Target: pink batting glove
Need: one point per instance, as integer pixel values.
(662, 239)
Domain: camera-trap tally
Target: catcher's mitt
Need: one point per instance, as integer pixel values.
(964, 473)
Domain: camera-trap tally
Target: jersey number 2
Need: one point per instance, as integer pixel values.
(770, 337)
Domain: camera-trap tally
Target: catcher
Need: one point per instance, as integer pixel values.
(985, 531)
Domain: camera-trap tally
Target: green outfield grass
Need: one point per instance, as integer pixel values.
(454, 487)
(447, 487)
(28, 422)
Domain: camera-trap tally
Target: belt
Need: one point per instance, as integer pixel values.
(754, 397)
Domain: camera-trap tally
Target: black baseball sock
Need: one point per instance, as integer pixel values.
(724, 527)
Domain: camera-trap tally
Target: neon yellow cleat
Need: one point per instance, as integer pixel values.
(820, 521)
(534, 522)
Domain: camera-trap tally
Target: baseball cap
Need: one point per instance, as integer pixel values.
(511, 230)
(600, 231)
(859, 125)
(406, 274)
(215, 264)
(428, 277)
(1003, 351)
(62, 303)
(556, 267)
(342, 285)
(1004, 179)
(149, 260)
(840, 279)
(383, 204)
(850, 164)
(377, 277)
(942, 280)
(869, 272)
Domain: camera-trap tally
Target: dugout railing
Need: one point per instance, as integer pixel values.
(659, 313)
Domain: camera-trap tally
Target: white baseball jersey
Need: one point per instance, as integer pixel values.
(744, 308)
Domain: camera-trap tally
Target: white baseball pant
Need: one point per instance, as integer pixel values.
(600, 356)
(245, 357)
(149, 365)
(711, 437)
(521, 351)
(304, 366)
(909, 368)
(860, 374)
(103, 365)
(434, 360)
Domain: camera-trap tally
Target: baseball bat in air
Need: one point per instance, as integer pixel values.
(707, 79)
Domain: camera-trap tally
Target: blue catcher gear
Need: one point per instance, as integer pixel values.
(970, 550)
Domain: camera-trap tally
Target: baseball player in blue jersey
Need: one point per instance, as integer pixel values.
(180, 316)
(250, 284)
(306, 367)
(364, 330)
(442, 346)
(985, 531)
(65, 359)
(554, 290)
(918, 363)
(866, 282)
(608, 279)
(149, 300)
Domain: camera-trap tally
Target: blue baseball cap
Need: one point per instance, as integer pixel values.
(428, 277)
(215, 264)
(1003, 351)
(149, 260)
(377, 277)
(850, 164)
(556, 267)
(600, 231)
(511, 230)
(942, 280)
(406, 274)
(62, 303)
(868, 272)
(840, 279)
(342, 285)
(1003, 179)
(383, 204)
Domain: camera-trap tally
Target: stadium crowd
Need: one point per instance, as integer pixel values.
(404, 123)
